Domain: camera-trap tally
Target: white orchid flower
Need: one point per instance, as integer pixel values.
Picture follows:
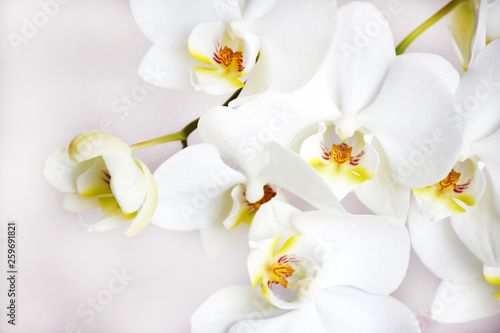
(464, 294)
(98, 170)
(370, 122)
(319, 272)
(468, 194)
(198, 190)
(216, 46)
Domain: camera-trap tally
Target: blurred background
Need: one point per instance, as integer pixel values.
(77, 72)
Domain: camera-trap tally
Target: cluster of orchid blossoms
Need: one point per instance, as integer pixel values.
(319, 110)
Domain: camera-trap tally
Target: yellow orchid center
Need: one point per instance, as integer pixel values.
(450, 180)
(248, 209)
(341, 153)
(281, 270)
(280, 274)
(229, 59)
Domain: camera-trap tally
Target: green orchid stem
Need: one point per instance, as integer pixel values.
(183, 134)
(426, 25)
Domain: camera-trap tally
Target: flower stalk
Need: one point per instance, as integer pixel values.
(183, 134)
(400, 49)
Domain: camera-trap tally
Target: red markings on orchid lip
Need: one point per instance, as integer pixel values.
(228, 58)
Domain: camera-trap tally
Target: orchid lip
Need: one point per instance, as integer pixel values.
(347, 164)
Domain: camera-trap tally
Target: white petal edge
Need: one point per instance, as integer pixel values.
(167, 68)
(191, 187)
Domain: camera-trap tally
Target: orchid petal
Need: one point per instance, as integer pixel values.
(74, 202)
(478, 95)
(127, 182)
(169, 23)
(61, 172)
(361, 54)
(112, 215)
(439, 65)
(273, 220)
(260, 252)
(422, 152)
(479, 229)
(168, 68)
(93, 144)
(382, 194)
(461, 302)
(440, 249)
(487, 151)
(191, 188)
(289, 116)
(150, 201)
(303, 319)
(216, 239)
(313, 147)
(493, 23)
(345, 309)
(342, 241)
(236, 136)
(94, 181)
(239, 212)
(284, 164)
(256, 9)
(293, 51)
(229, 306)
(215, 81)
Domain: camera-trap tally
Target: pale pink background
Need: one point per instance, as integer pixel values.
(64, 81)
